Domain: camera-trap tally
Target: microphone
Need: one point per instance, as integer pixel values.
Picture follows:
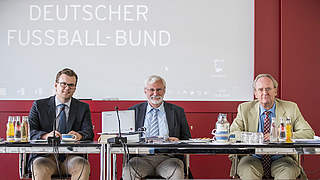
(117, 111)
(55, 141)
(142, 133)
(118, 139)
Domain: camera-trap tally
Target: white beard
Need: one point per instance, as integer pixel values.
(153, 101)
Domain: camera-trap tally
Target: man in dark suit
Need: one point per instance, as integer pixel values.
(74, 118)
(161, 119)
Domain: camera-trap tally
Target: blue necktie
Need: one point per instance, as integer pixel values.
(154, 126)
(62, 127)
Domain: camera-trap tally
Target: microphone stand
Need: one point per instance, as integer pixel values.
(118, 139)
(55, 140)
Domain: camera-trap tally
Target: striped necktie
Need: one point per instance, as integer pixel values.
(266, 159)
(154, 125)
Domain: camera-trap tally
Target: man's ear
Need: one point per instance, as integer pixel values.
(255, 94)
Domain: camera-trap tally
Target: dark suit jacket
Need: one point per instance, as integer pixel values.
(177, 122)
(43, 114)
(176, 119)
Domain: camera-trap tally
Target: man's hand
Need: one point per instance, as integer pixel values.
(173, 139)
(78, 136)
(266, 137)
(50, 134)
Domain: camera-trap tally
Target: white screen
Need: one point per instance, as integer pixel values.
(202, 48)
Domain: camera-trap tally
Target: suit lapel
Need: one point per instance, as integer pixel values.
(141, 115)
(170, 118)
(51, 111)
(255, 118)
(72, 114)
(280, 111)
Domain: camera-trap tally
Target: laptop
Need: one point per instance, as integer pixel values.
(110, 122)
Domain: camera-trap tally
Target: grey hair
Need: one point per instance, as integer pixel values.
(154, 78)
(274, 81)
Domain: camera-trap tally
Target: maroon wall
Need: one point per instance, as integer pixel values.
(286, 46)
(300, 62)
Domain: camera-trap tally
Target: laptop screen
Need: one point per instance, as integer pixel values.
(110, 122)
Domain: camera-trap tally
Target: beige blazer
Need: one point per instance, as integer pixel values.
(248, 120)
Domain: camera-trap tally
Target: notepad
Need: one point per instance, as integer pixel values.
(110, 122)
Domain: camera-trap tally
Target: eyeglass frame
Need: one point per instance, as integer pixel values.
(152, 90)
(261, 90)
(64, 85)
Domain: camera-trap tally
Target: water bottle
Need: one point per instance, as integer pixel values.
(10, 129)
(288, 130)
(222, 130)
(24, 129)
(282, 131)
(17, 129)
(273, 131)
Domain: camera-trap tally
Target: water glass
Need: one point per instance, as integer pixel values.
(252, 137)
(245, 137)
(259, 137)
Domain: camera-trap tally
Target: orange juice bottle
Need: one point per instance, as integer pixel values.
(10, 129)
(288, 130)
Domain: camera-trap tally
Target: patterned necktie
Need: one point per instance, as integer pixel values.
(62, 128)
(266, 159)
(154, 126)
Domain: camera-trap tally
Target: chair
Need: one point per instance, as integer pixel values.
(236, 158)
(25, 172)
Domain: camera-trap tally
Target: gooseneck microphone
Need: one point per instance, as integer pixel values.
(55, 140)
(117, 111)
(118, 139)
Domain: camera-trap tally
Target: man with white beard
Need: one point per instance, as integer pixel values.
(163, 120)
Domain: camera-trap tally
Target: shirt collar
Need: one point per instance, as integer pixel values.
(272, 110)
(161, 107)
(66, 103)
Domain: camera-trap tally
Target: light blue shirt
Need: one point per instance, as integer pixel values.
(162, 121)
(262, 116)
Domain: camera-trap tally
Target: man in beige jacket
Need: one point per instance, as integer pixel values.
(251, 117)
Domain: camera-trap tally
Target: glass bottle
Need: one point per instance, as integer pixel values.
(24, 129)
(288, 130)
(273, 131)
(282, 130)
(10, 129)
(222, 128)
(17, 129)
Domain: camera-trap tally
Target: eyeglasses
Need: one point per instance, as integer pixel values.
(153, 90)
(260, 90)
(64, 85)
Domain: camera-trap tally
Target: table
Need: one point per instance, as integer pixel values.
(84, 147)
(209, 148)
(69, 148)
